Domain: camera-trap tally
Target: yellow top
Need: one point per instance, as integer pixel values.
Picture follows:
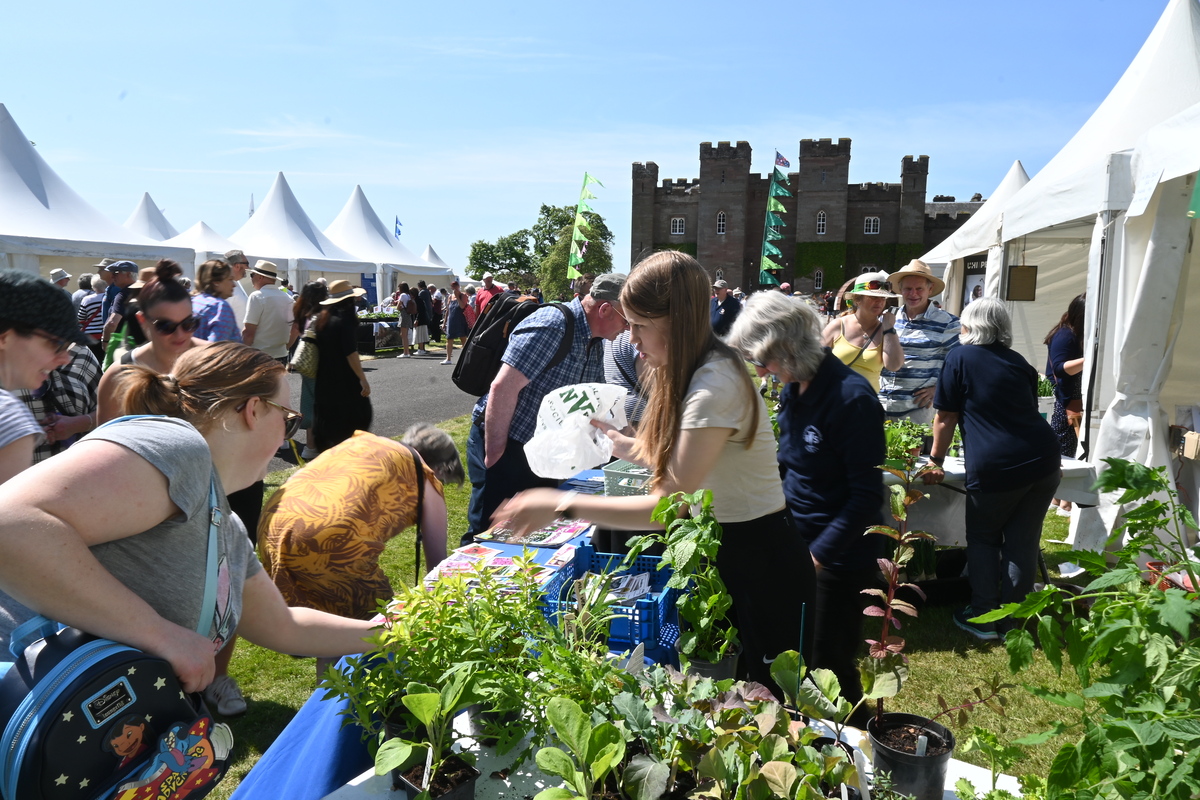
(869, 364)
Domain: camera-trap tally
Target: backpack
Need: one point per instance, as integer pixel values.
(84, 717)
(482, 355)
(411, 306)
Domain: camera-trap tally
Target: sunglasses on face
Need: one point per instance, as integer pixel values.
(291, 419)
(167, 327)
(60, 345)
(756, 363)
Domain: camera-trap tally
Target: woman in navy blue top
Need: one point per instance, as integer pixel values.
(1064, 367)
(831, 443)
(1011, 454)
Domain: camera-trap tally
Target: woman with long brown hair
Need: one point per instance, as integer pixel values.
(1064, 368)
(704, 427)
(341, 399)
(134, 572)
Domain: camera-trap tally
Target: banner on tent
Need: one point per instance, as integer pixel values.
(974, 276)
(1022, 282)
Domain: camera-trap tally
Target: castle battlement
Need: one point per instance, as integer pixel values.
(725, 150)
(824, 148)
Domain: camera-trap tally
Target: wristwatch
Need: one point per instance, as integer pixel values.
(937, 461)
(891, 331)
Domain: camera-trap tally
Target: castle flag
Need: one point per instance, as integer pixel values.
(780, 161)
(398, 227)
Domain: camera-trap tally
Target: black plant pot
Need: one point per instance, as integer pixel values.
(923, 777)
(852, 792)
(482, 723)
(463, 791)
(724, 669)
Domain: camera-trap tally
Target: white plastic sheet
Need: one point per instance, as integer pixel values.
(564, 441)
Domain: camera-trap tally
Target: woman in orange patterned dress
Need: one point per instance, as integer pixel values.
(322, 533)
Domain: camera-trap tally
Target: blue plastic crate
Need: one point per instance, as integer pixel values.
(647, 618)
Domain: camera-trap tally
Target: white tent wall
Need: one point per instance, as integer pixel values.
(1062, 274)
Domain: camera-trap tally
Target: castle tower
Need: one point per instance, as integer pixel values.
(914, 174)
(824, 174)
(641, 231)
(724, 177)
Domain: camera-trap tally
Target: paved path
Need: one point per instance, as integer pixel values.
(404, 391)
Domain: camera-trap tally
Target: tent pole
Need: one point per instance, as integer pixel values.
(1096, 334)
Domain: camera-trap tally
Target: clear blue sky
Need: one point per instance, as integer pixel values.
(461, 118)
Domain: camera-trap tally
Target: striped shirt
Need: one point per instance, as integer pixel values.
(217, 322)
(926, 340)
(91, 316)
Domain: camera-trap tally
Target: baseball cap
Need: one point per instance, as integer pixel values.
(721, 284)
(122, 266)
(29, 300)
(608, 286)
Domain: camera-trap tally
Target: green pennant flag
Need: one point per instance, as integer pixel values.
(778, 191)
(582, 207)
(572, 260)
(770, 249)
(580, 222)
(589, 179)
(767, 279)
(775, 205)
(1194, 206)
(575, 249)
(773, 235)
(769, 264)
(780, 177)
(774, 219)
(586, 195)
(578, 235)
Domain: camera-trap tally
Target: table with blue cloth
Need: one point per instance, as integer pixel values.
(315, 755)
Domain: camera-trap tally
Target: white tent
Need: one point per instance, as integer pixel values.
(978, 235)
(45, 225)
(206, 242)
(148, 220)
(358, 229)
(280, 231)
(1063, 220)
(432, 257)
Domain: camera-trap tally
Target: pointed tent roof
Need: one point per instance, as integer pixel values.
(202, 239)
(148, 220)
(1161, 81)
(280, 228)
(432, 257)
(41, 214)
(359, 230)
(982, 230)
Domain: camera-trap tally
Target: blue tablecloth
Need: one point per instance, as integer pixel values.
(314, 754)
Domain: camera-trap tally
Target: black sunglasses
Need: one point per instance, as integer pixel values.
(756, 363)
(60, 345)
(167, 327)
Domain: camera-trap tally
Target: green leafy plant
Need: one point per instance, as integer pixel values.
(1045, 387)
(435, 710)
(905, 439)
(1000, 757)
(1134, 727)
(591, 753)
(691, 539)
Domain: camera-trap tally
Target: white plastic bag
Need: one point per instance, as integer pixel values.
(564, 441)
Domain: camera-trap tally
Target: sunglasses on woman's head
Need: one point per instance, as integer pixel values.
(874, 286)
(167, 327)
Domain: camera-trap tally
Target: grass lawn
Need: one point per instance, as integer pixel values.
(944, 661)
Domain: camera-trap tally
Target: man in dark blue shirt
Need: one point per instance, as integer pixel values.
(723, 308)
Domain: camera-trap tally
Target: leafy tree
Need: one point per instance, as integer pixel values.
(509, 259)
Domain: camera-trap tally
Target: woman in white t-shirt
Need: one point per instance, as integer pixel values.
(704, 427)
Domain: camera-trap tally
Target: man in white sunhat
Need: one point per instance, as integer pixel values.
(60, 278)
(268, 319)
(927, 334)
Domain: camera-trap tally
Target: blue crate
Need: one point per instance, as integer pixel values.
(648, 618)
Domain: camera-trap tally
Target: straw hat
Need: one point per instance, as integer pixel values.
(340, 290)
(918, 267)
(268, 270)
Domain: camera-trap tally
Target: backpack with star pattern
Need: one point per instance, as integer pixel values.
(85, 717)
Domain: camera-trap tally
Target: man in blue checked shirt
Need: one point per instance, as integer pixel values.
(927, 334)
(504, 418)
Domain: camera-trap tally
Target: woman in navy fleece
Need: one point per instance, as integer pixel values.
(831, 443)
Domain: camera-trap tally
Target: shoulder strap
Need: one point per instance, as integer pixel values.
(564, 347)
(632, 381)
(420, 467)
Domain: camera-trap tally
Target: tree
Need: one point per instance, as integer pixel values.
(509, 259)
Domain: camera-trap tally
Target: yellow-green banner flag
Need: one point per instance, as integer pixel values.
(775, 205)
(769, 264)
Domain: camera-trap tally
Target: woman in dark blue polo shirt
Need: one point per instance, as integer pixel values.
(1011, 456)
(831, 443)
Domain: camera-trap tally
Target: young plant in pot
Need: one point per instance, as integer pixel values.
(708, 639)
(428, 767)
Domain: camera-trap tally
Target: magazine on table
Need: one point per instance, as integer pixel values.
(556, 533)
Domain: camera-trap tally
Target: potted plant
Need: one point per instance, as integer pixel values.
(708, 639)
(441, 772)
(1045, 390)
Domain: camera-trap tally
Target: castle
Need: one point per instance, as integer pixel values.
(834, 230)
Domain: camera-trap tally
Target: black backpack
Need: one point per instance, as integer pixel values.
(481, 356)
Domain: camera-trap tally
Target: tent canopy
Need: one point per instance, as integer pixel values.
(432, 257)
(982, 230)
(44, 224)
(148, 220)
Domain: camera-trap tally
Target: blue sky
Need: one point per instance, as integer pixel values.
(461, 118)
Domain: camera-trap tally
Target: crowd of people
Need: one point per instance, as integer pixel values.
(209, 365)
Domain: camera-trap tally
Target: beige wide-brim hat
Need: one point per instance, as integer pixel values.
(860, 289)
(918, 267)
(340, 290)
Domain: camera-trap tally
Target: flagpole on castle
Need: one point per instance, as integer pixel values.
(772, 221)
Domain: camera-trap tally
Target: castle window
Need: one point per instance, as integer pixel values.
(818, 280)
(868, 268)
(822, 176)
(720, 276)
(720, 223)
(870, 224)
(677, 227)
(820, 223)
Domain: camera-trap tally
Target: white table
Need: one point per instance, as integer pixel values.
(943, 512)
